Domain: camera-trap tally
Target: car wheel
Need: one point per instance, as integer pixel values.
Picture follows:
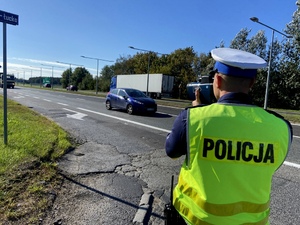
(129, 109)
(108, 105)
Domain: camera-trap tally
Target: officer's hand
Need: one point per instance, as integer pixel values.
(197, 100)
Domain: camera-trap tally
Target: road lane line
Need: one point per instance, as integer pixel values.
(128, 121)
(291, 164)
(168, 114)
(164, 130)
(62, 104)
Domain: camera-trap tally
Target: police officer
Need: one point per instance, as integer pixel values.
(232, 148)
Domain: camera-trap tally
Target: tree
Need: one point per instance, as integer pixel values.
(290, 64)
(206, 63)
(107, 73)
(181, 63)
(241, 40)
(78, 75)
(80, 78)
(257, 45)
(65, 80)
(124, 65)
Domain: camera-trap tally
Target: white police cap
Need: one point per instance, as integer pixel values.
(234, 62)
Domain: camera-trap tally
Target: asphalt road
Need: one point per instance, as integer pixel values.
(120, 162)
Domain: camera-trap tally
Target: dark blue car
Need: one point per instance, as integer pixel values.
(131, 100)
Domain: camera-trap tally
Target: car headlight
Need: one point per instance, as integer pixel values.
(138, 102)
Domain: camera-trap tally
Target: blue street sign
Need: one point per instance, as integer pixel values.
(9, 18)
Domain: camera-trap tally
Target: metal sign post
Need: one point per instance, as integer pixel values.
(6, 18)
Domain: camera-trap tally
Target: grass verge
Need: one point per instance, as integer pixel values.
(28, 172)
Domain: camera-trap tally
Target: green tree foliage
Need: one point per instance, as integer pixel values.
(80, 77)
(290, 64)
(206, 63)
(181, 63)
(241, 40)
(66, 78)
(124, 65)
(80, 74)
(257, 45)
(104, 80)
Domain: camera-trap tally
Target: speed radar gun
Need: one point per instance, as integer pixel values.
(172, 217)
(205, 85)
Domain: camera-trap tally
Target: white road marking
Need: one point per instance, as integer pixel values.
(77, 115)
(291, 164)
(127, 121)
(19, 97)
(47, 100)
(62, 104)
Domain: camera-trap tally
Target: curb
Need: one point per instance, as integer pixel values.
(144, 207)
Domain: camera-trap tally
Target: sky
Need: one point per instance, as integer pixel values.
(52, 31)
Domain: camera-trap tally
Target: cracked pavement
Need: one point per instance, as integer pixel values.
(103, 186)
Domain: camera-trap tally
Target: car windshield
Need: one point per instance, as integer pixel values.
(135, 93)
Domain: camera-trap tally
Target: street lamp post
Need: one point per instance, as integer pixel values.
(23, 77)
(65, 63)
(52, 72)
(41, 77)
(147, 85)
(31, 74)
(256, 20)
(24, 74)
(86, 57)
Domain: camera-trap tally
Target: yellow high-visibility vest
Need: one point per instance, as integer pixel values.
(233, 152)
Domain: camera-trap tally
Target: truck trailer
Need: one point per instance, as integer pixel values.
(158, 84)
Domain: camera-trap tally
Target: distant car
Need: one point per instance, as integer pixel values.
(47, 85)
(72, 88)
(132, 100)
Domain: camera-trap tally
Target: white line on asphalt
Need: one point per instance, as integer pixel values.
(128, 121)
(168, 114)
(47, 100)
(62, 104)
(164, 130)
(291, 164)
(77, 115)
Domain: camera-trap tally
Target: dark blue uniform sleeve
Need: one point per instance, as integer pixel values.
(288, 123)
(176, 144)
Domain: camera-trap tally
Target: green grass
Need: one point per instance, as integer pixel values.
(28, 172)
